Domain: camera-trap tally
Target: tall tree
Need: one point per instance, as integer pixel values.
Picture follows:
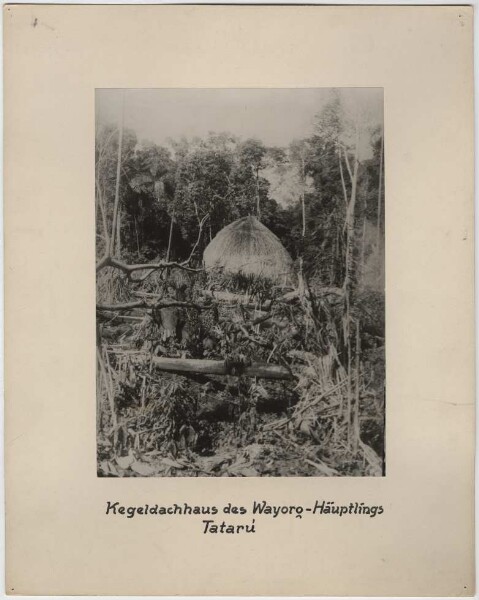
(106, 165)
(252, 153)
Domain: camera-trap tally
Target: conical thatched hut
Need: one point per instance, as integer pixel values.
(247, 246)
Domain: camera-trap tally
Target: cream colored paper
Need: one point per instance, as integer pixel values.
(59, 540)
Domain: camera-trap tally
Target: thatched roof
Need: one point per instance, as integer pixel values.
(247, 246)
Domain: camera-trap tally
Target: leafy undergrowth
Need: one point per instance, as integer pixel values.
(272, 455)
(322, 422)
(173, 426)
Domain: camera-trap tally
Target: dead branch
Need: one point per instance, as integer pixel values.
(202, 222)
(154, 305)
(108, 261)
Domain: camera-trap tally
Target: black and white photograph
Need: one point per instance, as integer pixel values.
(240, 282)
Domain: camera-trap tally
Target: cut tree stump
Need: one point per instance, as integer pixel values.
(218, 367)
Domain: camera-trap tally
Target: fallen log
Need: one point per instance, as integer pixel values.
(218, 367)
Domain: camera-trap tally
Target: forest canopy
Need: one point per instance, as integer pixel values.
(300, 192)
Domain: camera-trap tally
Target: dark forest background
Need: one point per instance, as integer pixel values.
(165, 192)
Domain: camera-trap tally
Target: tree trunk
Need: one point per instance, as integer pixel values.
(380, 191)
(117, 185)
(301, 285)
(103, 216)
(303, 185)
(118, 233)
(350, 218)
(258, 210)
(363, 248)
(170, 237)
(354, 434)
(343, 184)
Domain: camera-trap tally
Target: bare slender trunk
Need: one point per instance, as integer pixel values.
(301, 286)
(117, 186)
(349, 404)
(336, 258)
(304, 214)
(170, 237)
(380, 191)
(363, 244)
(99, 196)
(350, 215)
(303, 185)
(258, 210)
(349, 222)
(343, 183)
(118, 233)
(354, 424)
(303, 232)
